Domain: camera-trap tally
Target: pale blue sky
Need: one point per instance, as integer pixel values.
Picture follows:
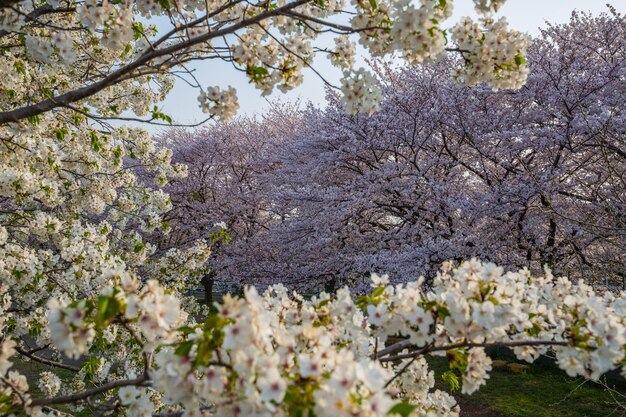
(523, 15)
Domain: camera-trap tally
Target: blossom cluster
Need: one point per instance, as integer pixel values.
(343, 55)
(72, 214)
(147, 311)
(281, 354)
(219, 103)
(49, 383)
(68, 329)
(68, 36)
(156, 312)
(417, 32)
(361, 92)
(13, 385)
(488, 6)
(495, 53)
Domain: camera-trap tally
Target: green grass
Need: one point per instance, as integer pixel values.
(542, 391)
(31, 370)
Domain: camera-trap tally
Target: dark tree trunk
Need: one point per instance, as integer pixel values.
(207, 284)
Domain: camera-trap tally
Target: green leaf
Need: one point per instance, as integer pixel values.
(535, 330)
(378, 292)
(184, 348)
(8, 405)
(215, 322)
(157, 114)
(204, 352)
(138, 247)
(324, 302)
(186, 329)
(95, 142)
(138, 30)
(443, 311)
(256, 73)
(211, 340)
(451, 379)
(90, 366)
(60, 133)
(403, 409)
(20, 67)
(520, 60)
(197, 196)
(373, 4)
(221, 234)
(108, 308)
(457, 359)
(362, 302)
(35, 329)
(103, 305)
(77, 118)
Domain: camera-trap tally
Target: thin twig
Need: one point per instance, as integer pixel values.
(429, 349)
(45, 361)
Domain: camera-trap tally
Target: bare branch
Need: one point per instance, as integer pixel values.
(64, 399)
(45, 361)
(459, 345)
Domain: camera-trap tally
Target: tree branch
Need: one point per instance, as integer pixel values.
(45, 361)
(127, 71)
(64, 399)
(429, 349)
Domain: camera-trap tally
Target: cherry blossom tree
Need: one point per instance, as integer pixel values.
(225, 189)
(523, 178)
